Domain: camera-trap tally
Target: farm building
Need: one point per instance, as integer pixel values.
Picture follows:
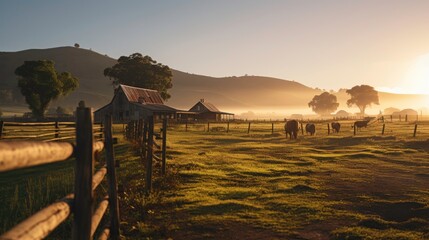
(133, 103)
(203, 110)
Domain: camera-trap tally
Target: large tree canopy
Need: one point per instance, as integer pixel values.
(324, 104)
(362, 96)
(141, 71)
(40, 84)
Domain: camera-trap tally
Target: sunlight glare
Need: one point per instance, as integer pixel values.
(417, 77)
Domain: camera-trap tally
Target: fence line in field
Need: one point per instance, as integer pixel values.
(142, 132)
(410, 128)
(22, 154)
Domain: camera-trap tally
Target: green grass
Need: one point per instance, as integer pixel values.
(262, 186)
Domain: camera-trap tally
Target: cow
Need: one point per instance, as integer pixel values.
(360, 124)
(335, 127)
(310, 128)
(291, 128)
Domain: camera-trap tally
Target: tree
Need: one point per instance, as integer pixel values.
(141, 71)
(76, 45)
(362, 96)
(324, 104)
(40, 83)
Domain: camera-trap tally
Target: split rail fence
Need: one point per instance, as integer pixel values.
(23, 154)
(44, 131)
(142, 132)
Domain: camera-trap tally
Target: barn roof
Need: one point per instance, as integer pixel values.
(142, 95)
(207, 107)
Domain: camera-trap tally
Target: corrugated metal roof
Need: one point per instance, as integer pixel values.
(210, 107)
(141, 95)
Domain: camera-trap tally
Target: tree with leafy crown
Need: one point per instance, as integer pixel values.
(141, 71)
(324, 104)
(40, 83)
(362, 96)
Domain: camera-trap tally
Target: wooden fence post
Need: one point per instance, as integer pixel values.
(143, 144)
(406, 117)
(354, 129)
(149, 156)
(272, 128)
(140, 130)
(227, 127)
(382, 130)
(208, 126)
(84, 195)
(186, 125)
(248, 128)
(57, 129)
(1, 128)
(329, 129)
(302, 129)
(415, 130)
(164, 146)
(391, 118)
(111, 178)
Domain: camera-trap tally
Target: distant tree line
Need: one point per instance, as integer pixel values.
(361, 96)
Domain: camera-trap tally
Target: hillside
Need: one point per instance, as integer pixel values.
(235, 94)
(230, 92)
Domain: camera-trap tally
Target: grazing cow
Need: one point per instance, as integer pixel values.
(310, 128)
(291, 128)
(360, 124)
(335, 127)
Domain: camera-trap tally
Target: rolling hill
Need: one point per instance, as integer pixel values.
(243, 93)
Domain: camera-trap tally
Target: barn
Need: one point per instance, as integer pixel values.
(203, 110)
(133, 103)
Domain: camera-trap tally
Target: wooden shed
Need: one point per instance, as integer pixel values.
(203, 110)
(133, 103)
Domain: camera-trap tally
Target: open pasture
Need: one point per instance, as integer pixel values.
(263, 186)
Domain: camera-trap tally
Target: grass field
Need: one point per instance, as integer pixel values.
(258, 186)
(263, 186)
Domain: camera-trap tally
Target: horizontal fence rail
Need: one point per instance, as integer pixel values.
(375, 126)
(43, 131)
(22, 154)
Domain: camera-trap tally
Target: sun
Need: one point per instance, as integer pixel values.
(417, 77)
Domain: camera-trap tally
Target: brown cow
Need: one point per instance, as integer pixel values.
(291, 128)
(360, 124)
(335, 127)
(310, 128)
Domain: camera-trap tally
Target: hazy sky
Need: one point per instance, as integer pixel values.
(325, 44)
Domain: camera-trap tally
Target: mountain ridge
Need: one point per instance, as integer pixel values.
(227, 93)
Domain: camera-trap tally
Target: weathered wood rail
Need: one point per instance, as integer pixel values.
(23, 154)
(44, 131)
(142, 132)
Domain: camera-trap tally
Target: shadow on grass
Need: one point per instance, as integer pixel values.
(222, 208)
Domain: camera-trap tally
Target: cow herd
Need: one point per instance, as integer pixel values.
(292, 127)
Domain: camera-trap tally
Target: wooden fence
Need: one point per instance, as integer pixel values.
(22, 154)
(400, 128)
(142, 132)
(44, 131)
